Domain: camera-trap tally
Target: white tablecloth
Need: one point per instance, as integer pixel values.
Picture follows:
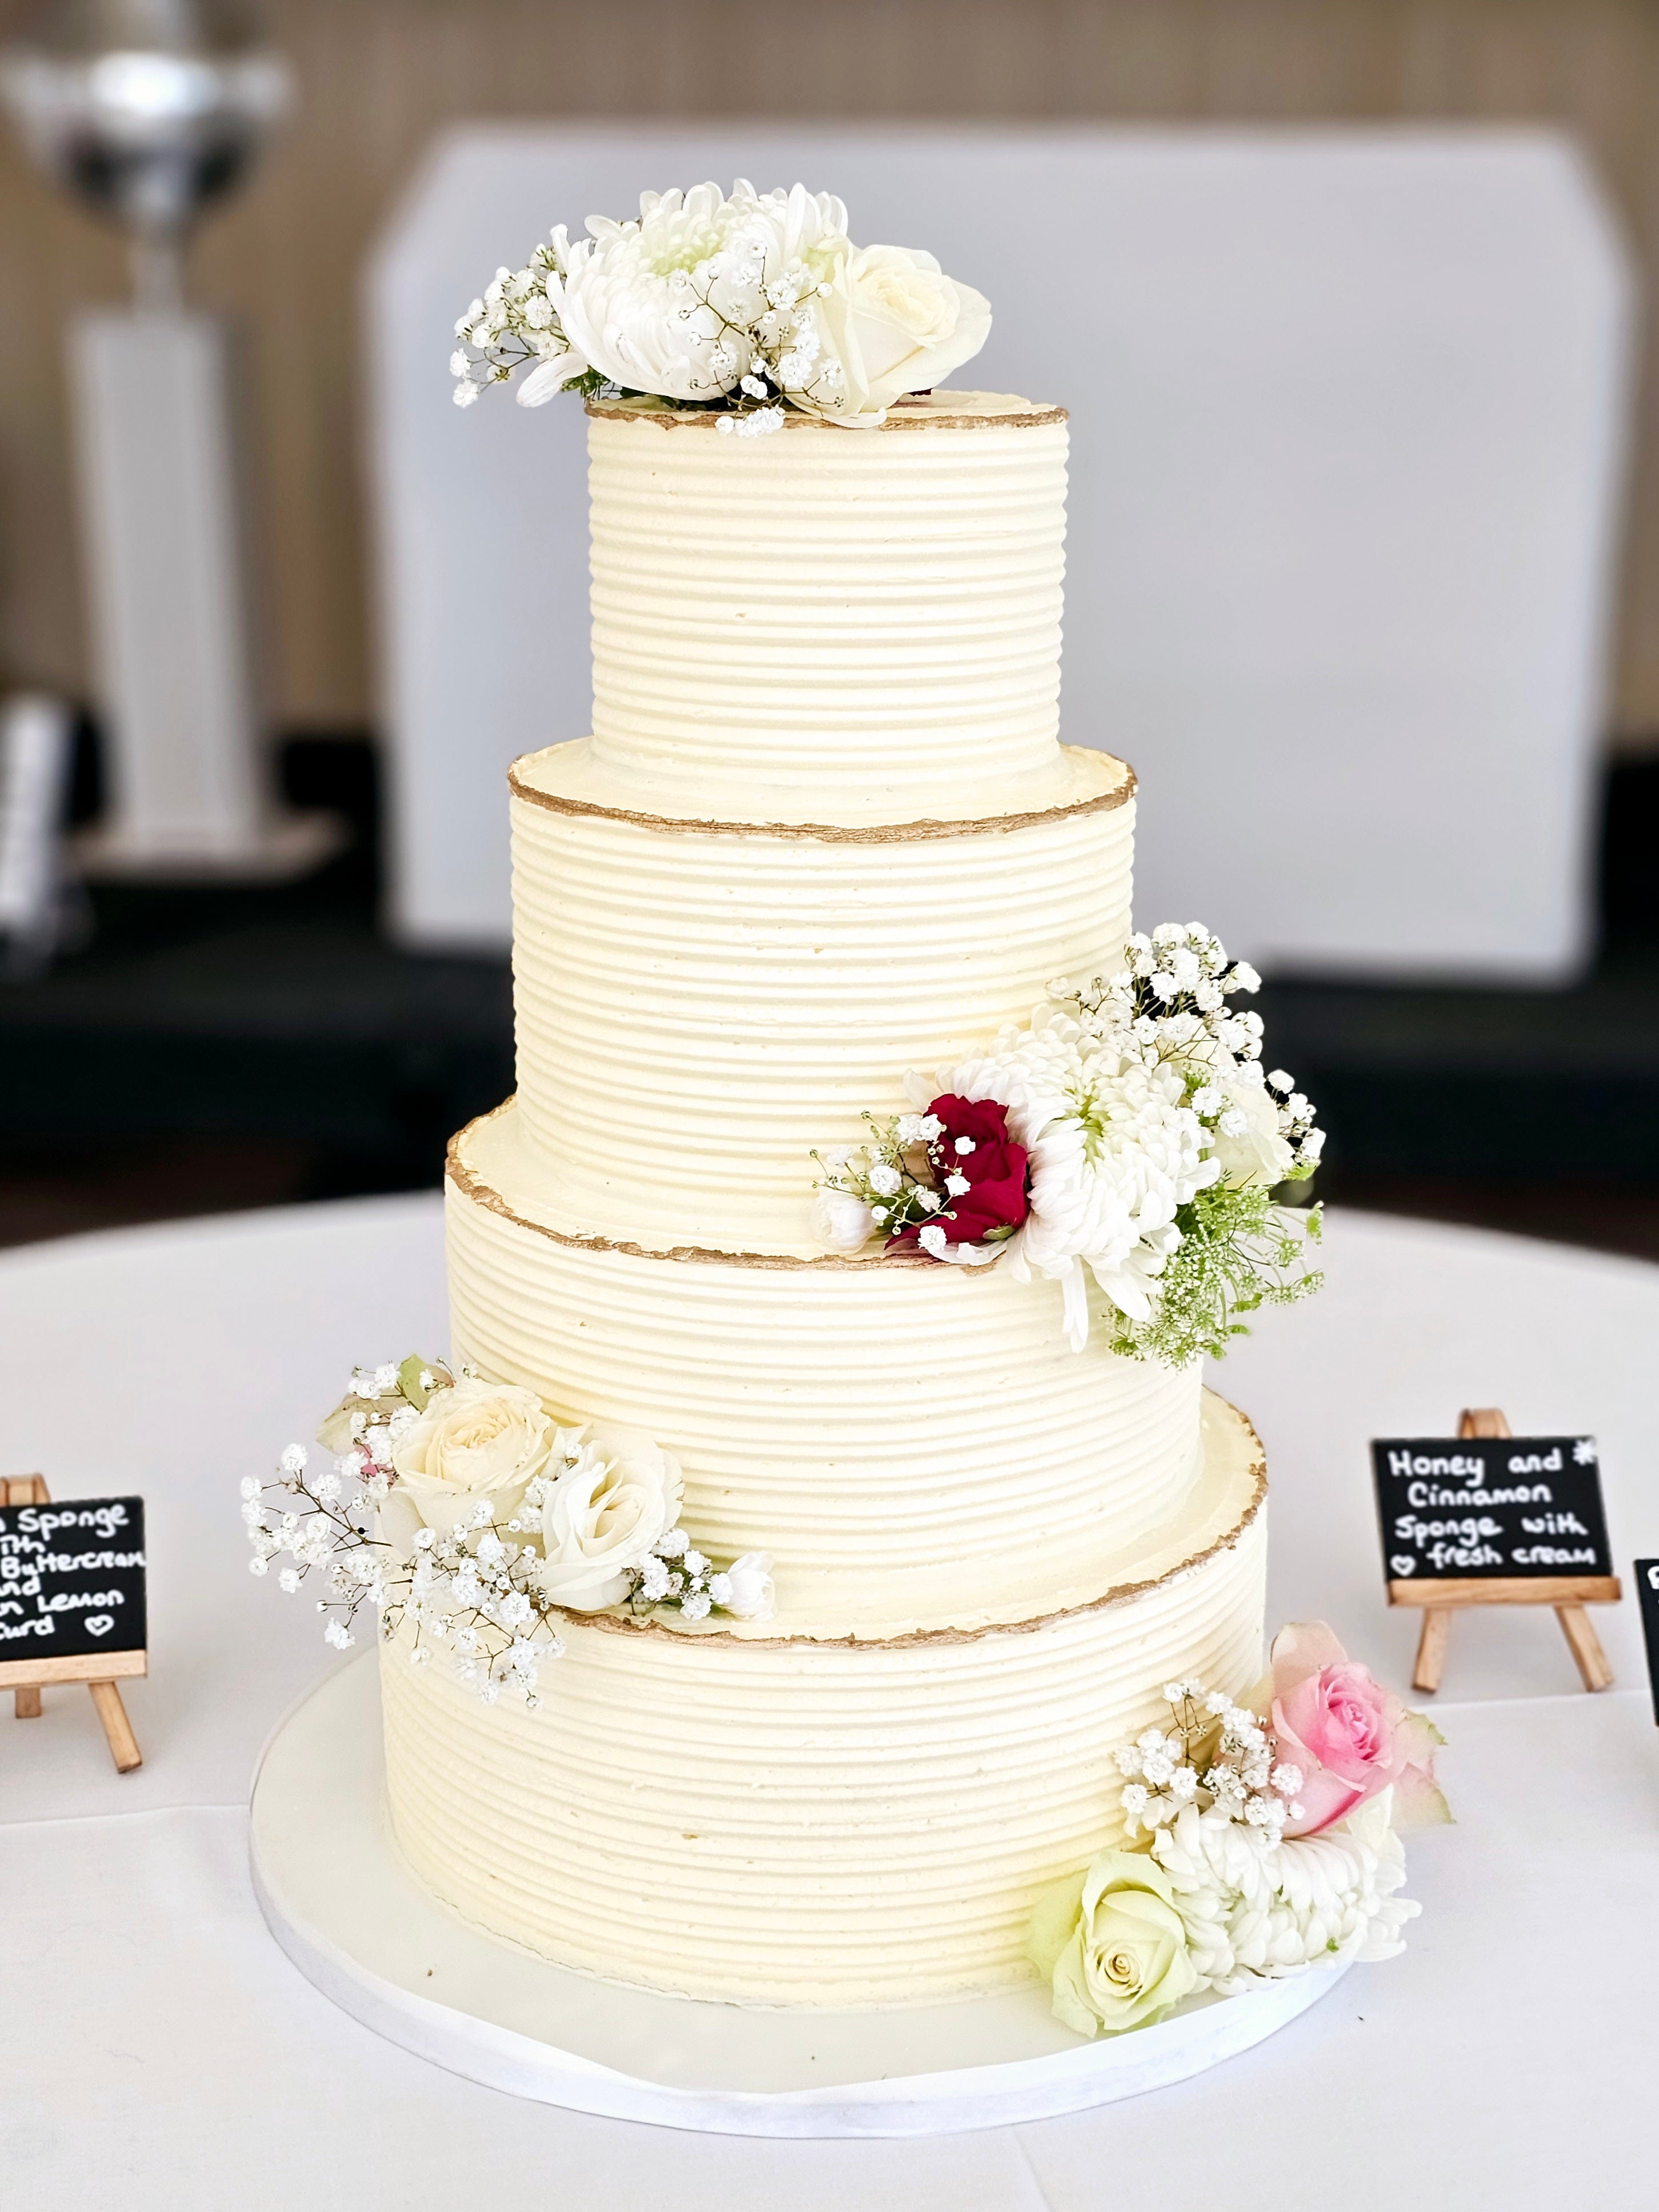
(157, 2049)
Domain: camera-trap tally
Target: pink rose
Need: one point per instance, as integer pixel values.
(1350, 1737)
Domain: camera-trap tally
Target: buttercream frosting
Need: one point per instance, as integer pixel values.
(786, 1821)
(696, 1012)
(823, 833)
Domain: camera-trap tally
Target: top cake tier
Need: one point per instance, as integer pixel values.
(828, 624)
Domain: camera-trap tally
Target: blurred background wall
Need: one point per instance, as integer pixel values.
(379, 77)
(201, 1048)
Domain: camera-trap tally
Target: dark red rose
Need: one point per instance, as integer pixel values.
(994, 1171)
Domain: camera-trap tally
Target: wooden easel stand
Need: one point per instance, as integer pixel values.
(26, 1678)
(1567, 1593)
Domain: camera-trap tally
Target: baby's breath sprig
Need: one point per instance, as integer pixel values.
(762, 344)
(473, 1589)
(1216, 1755)
(1172, 993)
(891, 1174)
(514, 325)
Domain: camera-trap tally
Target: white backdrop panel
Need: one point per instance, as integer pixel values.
(1349, 423)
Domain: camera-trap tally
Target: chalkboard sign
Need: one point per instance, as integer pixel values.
(1647, 1583)
(1477, 1509)
(71, 1583)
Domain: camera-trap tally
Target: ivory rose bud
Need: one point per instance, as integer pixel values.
(1112, 1944)
(601, 1516)
(1350, 1737)
(894, 323)
(843, 1219)
(475, 1440)
(749, 1596)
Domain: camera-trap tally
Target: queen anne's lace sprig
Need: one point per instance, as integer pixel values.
(472, 1590)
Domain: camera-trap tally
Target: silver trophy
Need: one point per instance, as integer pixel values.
(151, 111)
(148, 110)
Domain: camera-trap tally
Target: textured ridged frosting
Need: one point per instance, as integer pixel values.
(793, 1823)
(915, 1445)
(823, 834)
(831, 624)
(695, 1013)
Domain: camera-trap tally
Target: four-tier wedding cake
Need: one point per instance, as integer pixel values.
(785, 1592)
(823, 832)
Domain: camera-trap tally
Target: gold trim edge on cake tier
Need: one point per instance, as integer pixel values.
(827, 833)
(471, 1185)
(912, 412)
(1117, 1594)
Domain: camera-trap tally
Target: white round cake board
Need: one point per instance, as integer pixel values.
(341, 1902)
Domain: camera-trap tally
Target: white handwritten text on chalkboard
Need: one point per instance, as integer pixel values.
(72, 1578)
(1490, 1506)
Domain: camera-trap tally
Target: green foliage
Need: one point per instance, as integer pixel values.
(1238, 1250)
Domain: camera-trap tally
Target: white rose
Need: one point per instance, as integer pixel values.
(892, 322)
(1256, 1154)
(750, 1596)
(475, 1439)
(844, 1221)
(601, 1517)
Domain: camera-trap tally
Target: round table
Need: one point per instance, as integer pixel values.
(157, 2048)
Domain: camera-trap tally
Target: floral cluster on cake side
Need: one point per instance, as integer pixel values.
(1256, 1844)
(747, 304)
(1129, 1133)
(460, 1509)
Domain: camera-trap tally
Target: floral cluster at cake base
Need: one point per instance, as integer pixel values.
(460, 1509)
(1256, 1844)
(748, 304)
(1128, 1134)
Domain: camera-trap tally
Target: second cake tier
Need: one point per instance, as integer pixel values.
(699, 1006)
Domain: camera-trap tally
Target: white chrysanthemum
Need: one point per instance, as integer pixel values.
(1256, 1908)
(627, 304)
(1114, 1153)
(669, 303)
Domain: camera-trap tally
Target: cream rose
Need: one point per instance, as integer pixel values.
(1112, 1944)
(475, 1440)
(892, 322)
(601, 1515)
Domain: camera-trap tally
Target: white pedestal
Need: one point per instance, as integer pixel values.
(167, 584)
(341, 1903)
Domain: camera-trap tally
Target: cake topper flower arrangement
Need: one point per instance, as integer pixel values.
(747, 304)
(461, 1510)
(1256, 1845)
(1129, 1133)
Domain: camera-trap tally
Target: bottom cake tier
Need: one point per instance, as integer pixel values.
(740, 1814)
